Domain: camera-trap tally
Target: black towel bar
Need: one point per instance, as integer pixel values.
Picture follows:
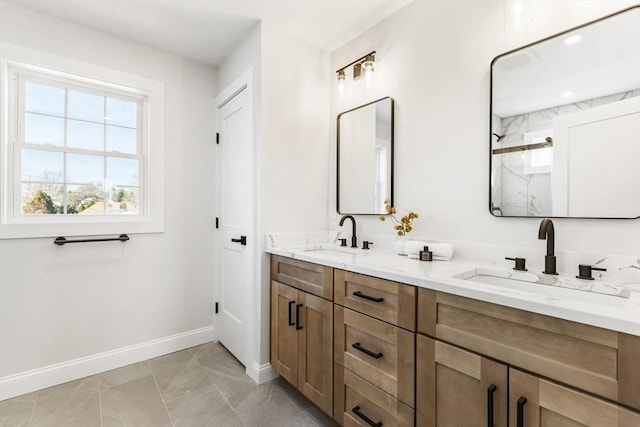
(63, 241)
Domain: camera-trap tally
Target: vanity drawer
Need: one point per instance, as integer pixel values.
(380, 353)
(383, 299)
(353, 395)
(312, 278)
(594, 359)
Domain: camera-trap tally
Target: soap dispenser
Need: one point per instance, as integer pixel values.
(426, 254)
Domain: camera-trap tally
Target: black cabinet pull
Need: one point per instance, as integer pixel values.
(242, 240)
(490, 391)
(374, 299)
(368, 352)
(356, 410)
(298, 327)
(520, 414)
(291, 323)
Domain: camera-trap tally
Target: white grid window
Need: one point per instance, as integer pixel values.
(79, 148)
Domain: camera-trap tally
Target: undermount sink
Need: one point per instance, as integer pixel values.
(329, 251)
(504, 277)
(523, 280)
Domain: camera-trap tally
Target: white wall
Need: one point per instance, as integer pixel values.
(433, 58)
(295, 145)
(292, 111)
(58, 304)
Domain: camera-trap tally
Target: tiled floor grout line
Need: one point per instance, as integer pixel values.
(33, 410)
(100, 402)
(216, 385)
(162, 398)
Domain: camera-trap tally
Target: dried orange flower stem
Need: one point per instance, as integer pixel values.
(403, 225)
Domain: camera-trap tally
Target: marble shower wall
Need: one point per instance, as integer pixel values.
(514, 191)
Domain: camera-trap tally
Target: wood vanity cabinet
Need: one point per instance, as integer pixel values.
(472, 363)
(566, 364)
(374, 351)
(302, 329)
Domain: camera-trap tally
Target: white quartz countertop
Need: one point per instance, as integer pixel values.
(596, 309)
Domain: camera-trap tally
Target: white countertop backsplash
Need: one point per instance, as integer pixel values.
(611, 312)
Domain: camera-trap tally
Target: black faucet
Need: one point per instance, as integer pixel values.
(354, 239)
(546, 232)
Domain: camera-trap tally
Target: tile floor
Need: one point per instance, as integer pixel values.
(199, 386)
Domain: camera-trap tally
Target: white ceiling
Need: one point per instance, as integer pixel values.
(605, 61)
(208, 30)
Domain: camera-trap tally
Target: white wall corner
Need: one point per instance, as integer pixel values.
(261, 374)
(27, 382)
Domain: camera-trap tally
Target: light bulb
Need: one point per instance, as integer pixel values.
(341, 79)
(573, 39)
(367, 69)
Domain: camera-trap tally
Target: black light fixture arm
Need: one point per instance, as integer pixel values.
(370, 55)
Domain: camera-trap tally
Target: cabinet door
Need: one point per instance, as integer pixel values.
(534, 402)
(315, 350)
(284, 341)
(458, 388)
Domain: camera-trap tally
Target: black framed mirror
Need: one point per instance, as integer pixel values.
(365, 158)
(565, 123)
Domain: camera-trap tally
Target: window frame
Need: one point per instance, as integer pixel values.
(18, 64)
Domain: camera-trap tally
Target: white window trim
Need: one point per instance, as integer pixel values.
(152, 218)
(535, 137)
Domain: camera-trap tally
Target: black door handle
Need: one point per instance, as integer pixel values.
(291, 323)
(490, 391)
(367, 297)
(368, 352)
(356, 410)
(520, 413)
(242, 240)
(298, 327)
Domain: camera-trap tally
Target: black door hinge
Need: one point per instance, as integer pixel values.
(216, 308)
(217, 222)
(217, 138)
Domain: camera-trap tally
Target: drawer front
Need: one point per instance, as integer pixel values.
(590, 358)
(383, 299)
(380, 353)
(312, 278)
(359, 403)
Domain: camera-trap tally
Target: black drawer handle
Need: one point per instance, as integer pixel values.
(356, 410)
(291, 322)
(368, 352)
(490, 391)
(298, 327)
(520, 414)
(374, 299)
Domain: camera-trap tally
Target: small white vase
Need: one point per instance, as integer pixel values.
(401, 242)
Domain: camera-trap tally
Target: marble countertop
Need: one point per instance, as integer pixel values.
(596, 309)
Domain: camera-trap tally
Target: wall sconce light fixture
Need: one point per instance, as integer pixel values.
(362, 67)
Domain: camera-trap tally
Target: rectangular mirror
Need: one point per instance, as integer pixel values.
(565, 123)
(365, 158)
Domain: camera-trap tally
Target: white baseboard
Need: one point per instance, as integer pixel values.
(261, 373)
(26, 382)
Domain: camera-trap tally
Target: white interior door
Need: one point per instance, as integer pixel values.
(596, 161)
(237, 239)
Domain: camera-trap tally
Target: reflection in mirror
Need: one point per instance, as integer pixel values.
(365, 158)
(565, 123)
